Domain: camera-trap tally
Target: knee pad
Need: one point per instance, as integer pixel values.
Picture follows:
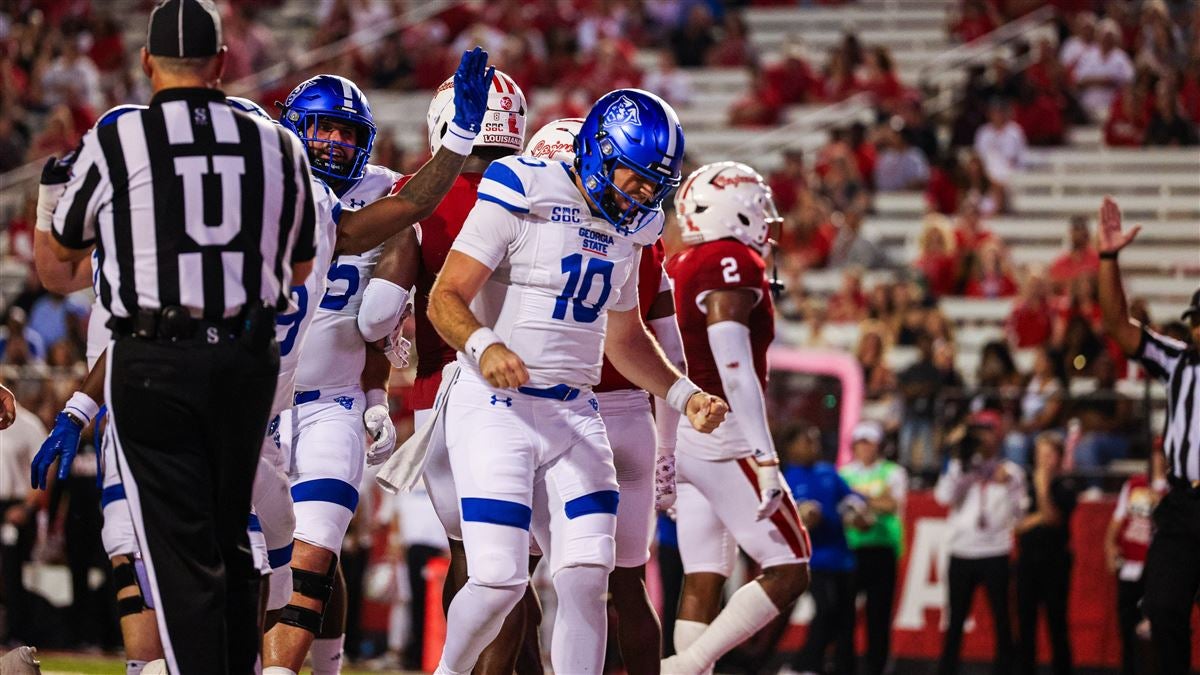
(279, 588)
(132, 574)
(323, 509)
(595, 549)
(117, 533)
(313, 585)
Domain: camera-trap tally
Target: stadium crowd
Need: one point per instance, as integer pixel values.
(1133, 67)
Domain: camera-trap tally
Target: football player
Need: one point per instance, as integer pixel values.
(540, 284)
(730, 492)
(632, 433)
(411, 259)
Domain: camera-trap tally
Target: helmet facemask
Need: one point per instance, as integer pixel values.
(602, 188)
(322, 155)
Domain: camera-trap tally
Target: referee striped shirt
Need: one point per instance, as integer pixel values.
(189, 202)
(1178, 366)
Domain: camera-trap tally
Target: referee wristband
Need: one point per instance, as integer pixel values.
(479, 341)
(458, 140)
(82, 407)
(48, 198)
(680, 393)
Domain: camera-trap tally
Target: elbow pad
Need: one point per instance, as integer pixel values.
(382, 307)
(730, 342)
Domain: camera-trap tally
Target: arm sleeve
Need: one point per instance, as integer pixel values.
(666, 418)
(382, 305)
(74, 220)
(730, 341)
(947, 483)
(897, 484)
(628, 298)
(488, 232)
(1159, 354)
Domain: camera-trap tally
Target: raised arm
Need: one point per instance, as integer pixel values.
(1113, 309)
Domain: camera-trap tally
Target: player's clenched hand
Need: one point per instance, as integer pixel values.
(706, 412)
(379, 425)
(502, 368)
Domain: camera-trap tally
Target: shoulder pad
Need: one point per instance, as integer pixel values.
(112, 115)
(526, 185)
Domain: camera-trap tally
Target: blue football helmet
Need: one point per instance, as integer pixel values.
(635, 129)
(336, 98)
(247, 106)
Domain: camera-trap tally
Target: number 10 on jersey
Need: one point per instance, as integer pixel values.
(579, 286)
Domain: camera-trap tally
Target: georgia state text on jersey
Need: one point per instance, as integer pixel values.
(291, 328)
(557, 268)
(437, 234)
(334, 348)
(713, 266)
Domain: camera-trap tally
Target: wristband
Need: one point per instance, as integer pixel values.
(458, 140)
(82, 407)
(1109, 255)
(680, 393)
(376, 397)
(480, 340)
(48, 197)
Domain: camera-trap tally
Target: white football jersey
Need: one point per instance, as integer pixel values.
(334, 351)
(291, 328)
(557, 268)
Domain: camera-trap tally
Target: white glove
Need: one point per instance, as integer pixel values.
(664, 482)
(397, 347)
(383, 434)
(770, 488)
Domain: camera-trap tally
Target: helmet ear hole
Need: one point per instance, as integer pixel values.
(742, 217)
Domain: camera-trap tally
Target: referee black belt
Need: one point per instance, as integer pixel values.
(175, 323)
(1192, 486)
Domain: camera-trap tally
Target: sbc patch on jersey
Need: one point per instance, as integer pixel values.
(621, 111)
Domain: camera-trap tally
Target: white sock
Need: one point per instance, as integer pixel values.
(278, 670)
(134, 667)
(155, 667)
(474, 620)
(686, 633)
(326, 655)
(748, 610)
(581, 621)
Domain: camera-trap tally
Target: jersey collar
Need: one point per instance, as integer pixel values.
(187, 94)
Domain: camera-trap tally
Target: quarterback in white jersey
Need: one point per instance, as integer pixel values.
(539, 286)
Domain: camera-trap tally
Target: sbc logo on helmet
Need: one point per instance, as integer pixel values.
(621, 111)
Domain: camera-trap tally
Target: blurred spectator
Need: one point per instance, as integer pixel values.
(989, 272)
(72, 73)
(899, 165)
(919, 130)
(1001, 142)
(1105, 415)
(921, 385)
(1125, 545)
(972, 109)
(18, 507)
(1044, 557)
(1041, 404)
(1189, 88)
(808, 232)
(57, 138)
(978, 18)
(610, 66)
(789, 180)
(1101, 73)
(1127, 121)
(849, 303)
(884, 486)
(936, 259)
(761, 106)
(997, 381)
(793, 77)
(12, 144)
(1030, 322)
(1167, 125)
(734, 49)
(20, 344)
(969, 231)
(879, 383)
(985, 494)
(821, 497)
(108, 45)
(1040, 106)
(55, 317)
(1080, 344)
(668, 81)
(1160, 42)
(942, 191)
(841, 184)
(878, 78)
(1082, 40)
(692, 41)
(840, 81)
(989, 196)
(852, 248)
(1081, 260)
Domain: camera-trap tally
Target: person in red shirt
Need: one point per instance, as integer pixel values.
(1030, 323)
(729, 487)
(1125, 546)
(1080, 261)
(413, 259)
(990, 274)
(761, 106)
(793, 77)
(978, 19)
(788, 181)
(937, 262)
(942, 192)
(1126, 125)
(969, 231)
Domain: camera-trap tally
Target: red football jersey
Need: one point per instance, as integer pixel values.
(437, 235)
(649, 285)
(714, 266)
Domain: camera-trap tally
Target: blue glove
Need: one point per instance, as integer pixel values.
(62, 445)
(471, 83)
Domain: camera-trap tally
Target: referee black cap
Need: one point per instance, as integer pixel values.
(184, 29)
(1194, 308)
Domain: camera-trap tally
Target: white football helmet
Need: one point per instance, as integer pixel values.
(503, 122)
(556, 141)
(726, 199)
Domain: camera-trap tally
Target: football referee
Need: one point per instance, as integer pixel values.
(1173, 564)
(202, 217)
